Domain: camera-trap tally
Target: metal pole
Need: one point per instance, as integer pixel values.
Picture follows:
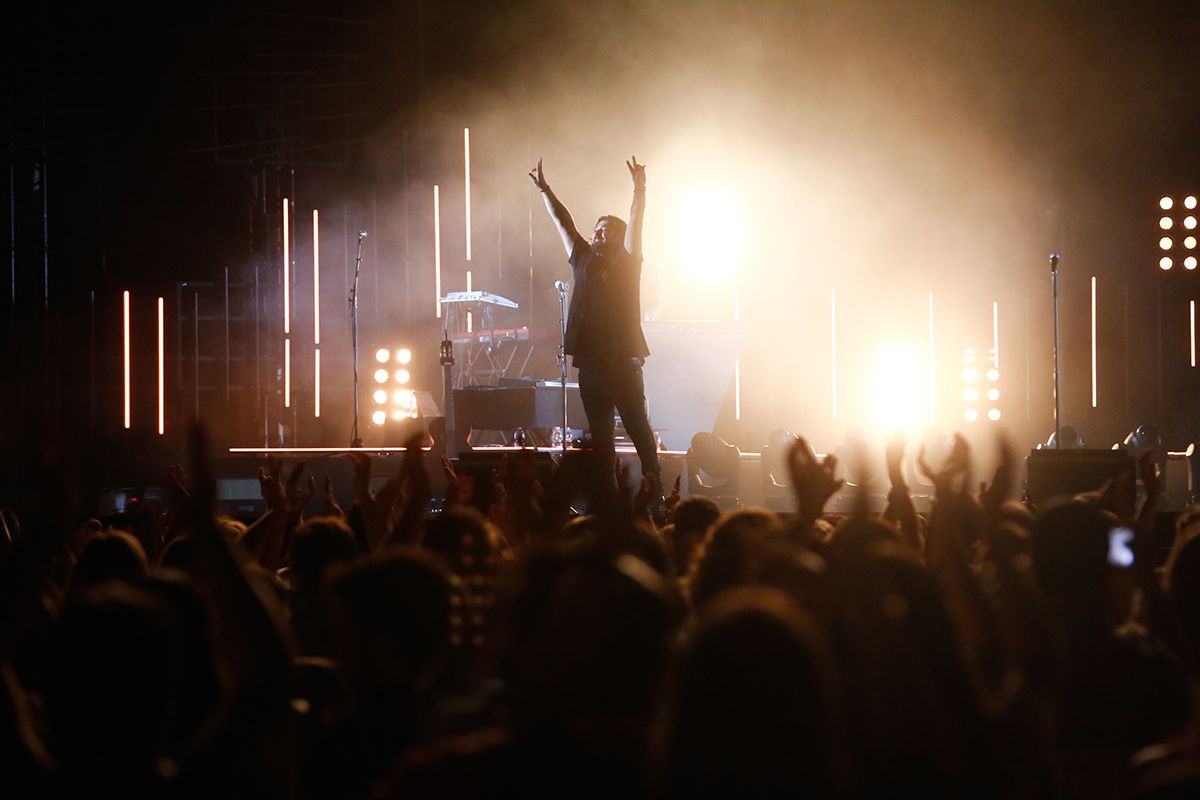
(447, 359)
(562, 357)
(355, 439)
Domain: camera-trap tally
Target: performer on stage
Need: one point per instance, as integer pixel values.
(604, 323)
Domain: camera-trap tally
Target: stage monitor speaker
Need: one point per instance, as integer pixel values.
(1053, 473)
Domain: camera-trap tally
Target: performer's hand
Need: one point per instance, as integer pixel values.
(636, 171)
(539, 179)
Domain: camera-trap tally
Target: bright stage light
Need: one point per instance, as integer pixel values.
(382, 355)
(1165, 243)
(379, 416)
(1165, 203)
(970, 396)
(993, 414)
(1189, 262)
(897, 387)
(404, 404)
(1189, 202)
(381, 376)
(1189, 223)
(971, 415)
(970, 375)
(380, 396)
(993, 374)
(403, 355)
(1165, 263)
(709, 231)
(993, 394)
(1165, 223)
(402, 376)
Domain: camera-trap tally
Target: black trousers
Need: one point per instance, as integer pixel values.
(620, 387)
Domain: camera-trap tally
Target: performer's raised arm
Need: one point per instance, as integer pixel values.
(637, 211)
(558, 212)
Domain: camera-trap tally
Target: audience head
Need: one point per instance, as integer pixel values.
(733, 552)
(393, 614)
(1070, 558)
(585, 644)
(317, 544)
(692, 517)
(109, 555)
(111, 686)
(753, 703)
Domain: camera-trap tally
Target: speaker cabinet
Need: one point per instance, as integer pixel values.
(1052, 473)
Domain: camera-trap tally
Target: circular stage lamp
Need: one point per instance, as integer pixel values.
(402, 376)
(1165, 203)
(1165, 263)
(1189, 262)
(403, 355)
(971, 415)
(382, 355)
(381, 376)
(1165, 243)
(1165, 223)
(378, 416)
(380, 396)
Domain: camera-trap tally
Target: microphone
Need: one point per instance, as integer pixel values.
(362, 234)
(1054, 257)
(560, 285)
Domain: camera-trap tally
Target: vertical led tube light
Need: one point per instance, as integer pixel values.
(1192, 320)
(1094, 398)
(287, 306)
(162, 427)
(470, 319)
(996, 334)
(437, 251)
(316, 279)
(316, 314)
(287, 272)
(125, 339)
(833, 347)
(467, 185)
(287, 372)
(737, 364)
(931, 379)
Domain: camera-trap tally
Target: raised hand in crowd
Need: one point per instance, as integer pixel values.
(375, 508)
(460, 489)
(329, 500)
(900, 507)
(814, 482)
(417, 491)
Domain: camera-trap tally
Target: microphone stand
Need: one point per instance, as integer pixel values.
(562, 357)
(1054, 257)
(355, 439)
(447, 359)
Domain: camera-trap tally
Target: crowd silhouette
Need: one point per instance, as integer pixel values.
(363, 647)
